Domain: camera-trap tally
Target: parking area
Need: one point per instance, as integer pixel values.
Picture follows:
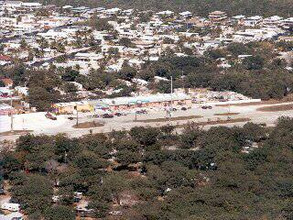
(38, 123)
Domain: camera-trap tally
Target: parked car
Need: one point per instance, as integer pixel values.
(183, 108)
(206, 107)
(118, 114)
(2, 192)
(77, 196)
(50, 116)
(106, 115)
(140, 112)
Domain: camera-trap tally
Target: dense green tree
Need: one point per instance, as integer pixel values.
(145, 136)
(127, 72)
(59, 213)
(126, 42)
(253, 63)
(35, 193)
(70, 74)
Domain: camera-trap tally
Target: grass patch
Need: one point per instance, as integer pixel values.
(170, 119)
(91, 124)
(276, 108)
(226, 114)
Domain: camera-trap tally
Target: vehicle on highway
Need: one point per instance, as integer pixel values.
(50, 116)
(183, 108)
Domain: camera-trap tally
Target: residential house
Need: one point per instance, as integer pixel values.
(217, 16)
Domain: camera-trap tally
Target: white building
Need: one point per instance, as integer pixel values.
(287, 23)
(252, 21)
(186, 14)
(272, 21)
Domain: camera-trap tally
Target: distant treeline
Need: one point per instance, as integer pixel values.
(199, 7)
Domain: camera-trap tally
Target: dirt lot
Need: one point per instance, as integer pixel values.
(169, 119)
(92, 124)
(277, 108)
(226, 114)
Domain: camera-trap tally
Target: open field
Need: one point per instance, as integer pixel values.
(276, 108)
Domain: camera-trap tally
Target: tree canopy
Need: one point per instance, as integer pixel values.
(220, 173)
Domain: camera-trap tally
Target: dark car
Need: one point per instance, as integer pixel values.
(183, 108)
(50, 116)
(106, 115)
(118, 114)
(141, 112)
(2, 192)
(206, 107)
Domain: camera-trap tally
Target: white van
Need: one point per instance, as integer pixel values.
(13, 207)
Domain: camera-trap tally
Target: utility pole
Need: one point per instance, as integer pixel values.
(183, 82)
(171, 96)
(11, 113)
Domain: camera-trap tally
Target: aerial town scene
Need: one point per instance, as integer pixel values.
(146, 111)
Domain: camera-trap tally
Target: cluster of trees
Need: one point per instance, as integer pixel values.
(197, 174)
(45, 87)
(100, 24)
(48, 86)
(259, 75)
